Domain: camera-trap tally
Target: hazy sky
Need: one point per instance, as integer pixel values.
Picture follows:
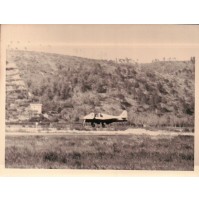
(143, 42)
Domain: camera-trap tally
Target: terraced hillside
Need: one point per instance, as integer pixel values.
(158, 93)
(17, 96)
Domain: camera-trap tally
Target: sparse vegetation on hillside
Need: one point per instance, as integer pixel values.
(159, 93)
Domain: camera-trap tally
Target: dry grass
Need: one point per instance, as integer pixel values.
(138, 152)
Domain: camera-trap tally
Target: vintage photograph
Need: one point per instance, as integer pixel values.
(103, 97)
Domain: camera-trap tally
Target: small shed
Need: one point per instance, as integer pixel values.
(36, 108)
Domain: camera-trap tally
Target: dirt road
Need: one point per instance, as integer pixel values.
(136, 131)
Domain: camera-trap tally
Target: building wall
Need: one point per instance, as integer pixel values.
(37, 108)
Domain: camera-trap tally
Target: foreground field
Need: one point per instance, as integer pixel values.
(125, 152)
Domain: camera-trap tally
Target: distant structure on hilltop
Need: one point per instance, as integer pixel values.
(11, 66)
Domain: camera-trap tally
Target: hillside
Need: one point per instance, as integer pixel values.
(160, 93)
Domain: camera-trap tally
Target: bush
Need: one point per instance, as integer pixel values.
(50, 156)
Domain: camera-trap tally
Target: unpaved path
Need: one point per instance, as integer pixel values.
(136, 131)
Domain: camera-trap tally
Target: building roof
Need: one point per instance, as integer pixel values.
(35, 104)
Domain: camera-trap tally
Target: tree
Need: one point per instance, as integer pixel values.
(193, 60)
(65, 92)
(50, 93)
(29, 83)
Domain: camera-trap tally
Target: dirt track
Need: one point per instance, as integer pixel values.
(137, 131)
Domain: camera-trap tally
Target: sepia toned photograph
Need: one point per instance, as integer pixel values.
(100, 97)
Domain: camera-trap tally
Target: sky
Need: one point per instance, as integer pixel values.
(137, 42)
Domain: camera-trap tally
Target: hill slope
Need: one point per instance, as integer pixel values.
(155, 93)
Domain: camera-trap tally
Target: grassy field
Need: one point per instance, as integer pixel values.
(138, 152)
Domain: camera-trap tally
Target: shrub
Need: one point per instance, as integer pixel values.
(50, 156)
